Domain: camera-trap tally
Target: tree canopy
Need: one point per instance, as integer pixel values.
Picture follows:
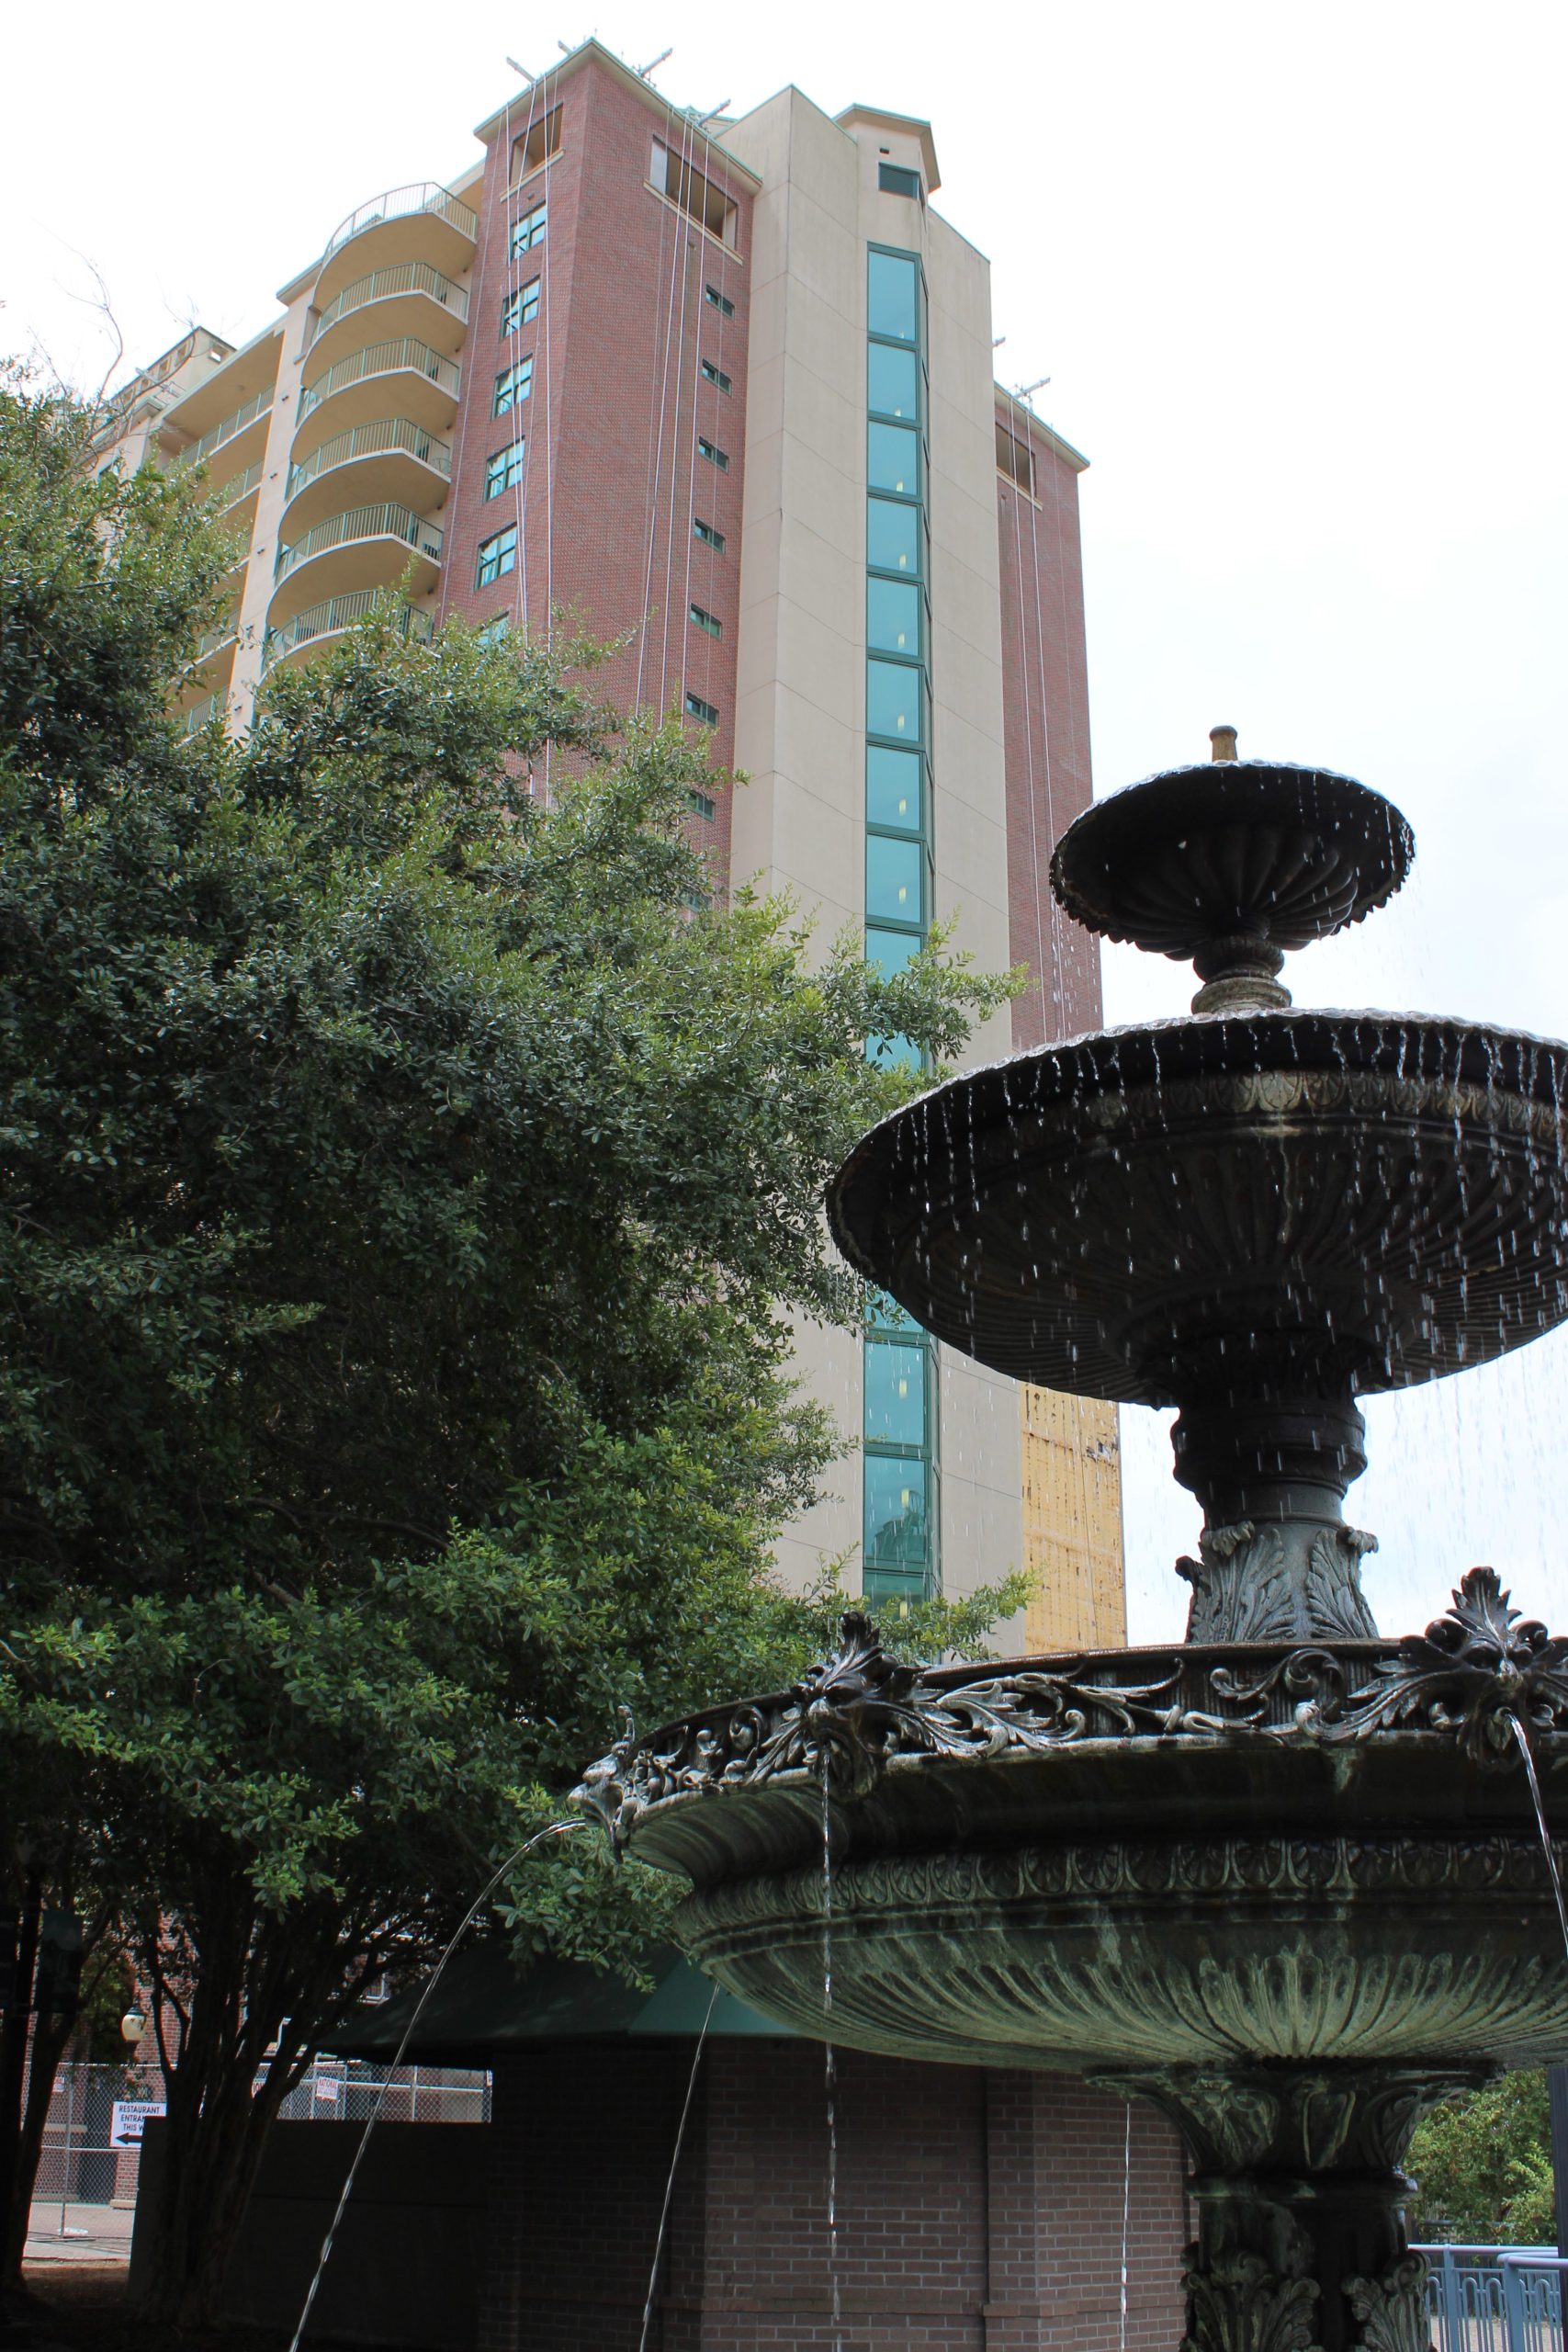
(407, 1180)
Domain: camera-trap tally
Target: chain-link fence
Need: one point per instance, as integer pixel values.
(92, 2143)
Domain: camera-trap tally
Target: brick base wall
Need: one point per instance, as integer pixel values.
(978, 2210)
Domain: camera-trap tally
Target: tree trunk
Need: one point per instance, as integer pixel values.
(251, 1978)
(15, 2192)
(49, 2038)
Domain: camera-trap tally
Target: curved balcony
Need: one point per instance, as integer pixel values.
(393, 458)
(234, 505)
(423, 222)
(422, 383)
(294, 639)
(202, 714)
(232, 445)
(408, 298)
(368, 547)
(207, 674)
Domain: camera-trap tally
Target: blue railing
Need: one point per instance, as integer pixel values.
(1494, 2299)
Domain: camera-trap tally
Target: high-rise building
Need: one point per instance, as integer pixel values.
(723, 388)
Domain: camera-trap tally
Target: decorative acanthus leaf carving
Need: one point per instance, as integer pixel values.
(1392, 2310)
(1238, 2304)
(1240, 1588)
(1469, 1678)
(1335, 1598)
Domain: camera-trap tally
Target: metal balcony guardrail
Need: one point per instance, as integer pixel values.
(1494, 2298)
(383, 521)
(202, 714)
(337, 613)
(381, 359)
(399, 203)
(214, 439)
(239, 486)
(385, 434)
(402, 278)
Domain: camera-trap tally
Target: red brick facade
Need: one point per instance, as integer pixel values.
(978, 2210)
(1045, 720)
(613, 476)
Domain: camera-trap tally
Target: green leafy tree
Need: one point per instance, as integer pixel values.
(1483, 2167)
(405, 1188)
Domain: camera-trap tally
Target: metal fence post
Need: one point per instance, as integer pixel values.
(1514, 2306)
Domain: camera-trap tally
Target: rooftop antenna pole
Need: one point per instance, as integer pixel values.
(1024, 390)
(521, 69)
(644, 70)
(713, 114)
(997, 341)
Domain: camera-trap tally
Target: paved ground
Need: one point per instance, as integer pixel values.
(79, 2233)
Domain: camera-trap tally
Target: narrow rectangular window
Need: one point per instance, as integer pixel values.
(494, 630)
(519, 308)
(497, 555)
(717, 376)
(708, 535)
(703, 804)
(721, 302)
(512, 386)
(535, 146)
(709, 621)
(893, 458)
(527, 230)
(699, 197)
(893, 296)
(716, 457)
(1015, 458)
(893, 179)
(697, 708)
(505, 470)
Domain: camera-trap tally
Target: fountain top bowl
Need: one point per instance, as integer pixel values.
(1231, 856)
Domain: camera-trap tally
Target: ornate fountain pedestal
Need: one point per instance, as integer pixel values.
(1300, 2202)
(1285, 1880)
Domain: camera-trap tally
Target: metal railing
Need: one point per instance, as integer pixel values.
(1494, 2299)
(401, 203)
(202, 714)
(402, 278)
(337, 613)
(385, 521)
(372, 440)
(381, 359)
(240, 486)
(92, 2143)
(213, 440)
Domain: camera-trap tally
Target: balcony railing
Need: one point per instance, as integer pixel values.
(214, 441)
(202, 714)
(222, 632)
(403, 278)
(239, 486)
(337, 613)
(386, 434)
(381, 359)
(421, 195)
(383, 522)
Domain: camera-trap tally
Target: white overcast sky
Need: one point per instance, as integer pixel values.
(1297, 277)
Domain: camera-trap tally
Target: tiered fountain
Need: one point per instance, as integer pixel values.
(1284, 1879)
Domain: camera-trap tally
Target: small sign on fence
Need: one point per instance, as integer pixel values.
(130, 2116)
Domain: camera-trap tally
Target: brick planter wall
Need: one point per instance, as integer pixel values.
(978, 2210)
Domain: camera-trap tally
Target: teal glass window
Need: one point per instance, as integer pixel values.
(890, 951)
(708, 535)
(708, 621)
(505, 470)
(894, 880)
(497, 555)
(894, 179)
(893, 296)
(894, 794)
(521, 308)
(894, 610)
(720, 303)
(884, 1314)
(891, 536)
(528, 231)
(697, 708)
(896, 1534)
(494, 630)
(893, 458)
(512, 386)
(716, 375)
(895, 1394)
(892, 700)
(715, 455)
(892, 380)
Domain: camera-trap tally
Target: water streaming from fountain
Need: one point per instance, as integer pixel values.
(555, 1829)
(830, 2061)
(1274, 1878)
(662, 2231)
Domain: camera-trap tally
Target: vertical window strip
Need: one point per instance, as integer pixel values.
(900, 1560)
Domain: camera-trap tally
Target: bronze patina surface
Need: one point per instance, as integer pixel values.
(1284, 1879)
